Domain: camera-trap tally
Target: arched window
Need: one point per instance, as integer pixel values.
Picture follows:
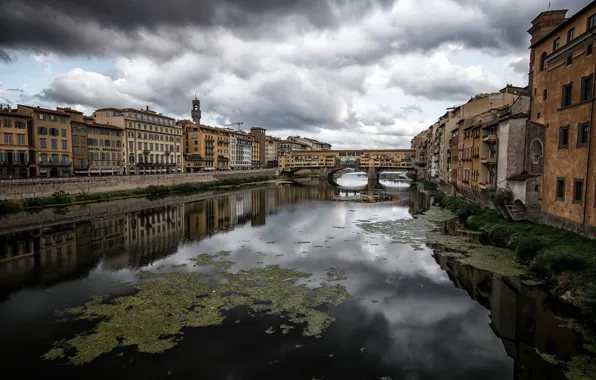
(140, 158)
(543, 61)
(536, 151)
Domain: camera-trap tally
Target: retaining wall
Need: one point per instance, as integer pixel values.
(40, 188)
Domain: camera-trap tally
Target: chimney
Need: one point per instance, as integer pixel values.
(147, 108)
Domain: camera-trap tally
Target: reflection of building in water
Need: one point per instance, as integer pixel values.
(154, 234)
(259, 207)
(241, 207)
(207, 217)
(520, 317)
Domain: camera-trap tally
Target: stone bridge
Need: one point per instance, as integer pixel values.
(373, 171)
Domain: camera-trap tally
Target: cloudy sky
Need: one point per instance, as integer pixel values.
(355, 73)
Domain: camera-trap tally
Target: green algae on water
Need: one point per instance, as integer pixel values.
(152, 318)
(335, 274)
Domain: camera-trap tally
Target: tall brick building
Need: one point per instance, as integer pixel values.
(562, 67)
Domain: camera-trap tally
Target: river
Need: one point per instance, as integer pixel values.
(282, 282)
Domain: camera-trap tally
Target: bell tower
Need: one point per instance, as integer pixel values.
(196, 111)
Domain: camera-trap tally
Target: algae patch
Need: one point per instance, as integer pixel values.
(335, 274)
(152, 318)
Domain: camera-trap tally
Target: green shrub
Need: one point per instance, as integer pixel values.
(7, 206)
(526, 247)
(61, 198)
(501, 197)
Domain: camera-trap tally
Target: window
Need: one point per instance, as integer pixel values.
(583, 134)
(42, 143)
(21, 139)
(556, 44)
(545, 94)
(560, 189)
(7, 123)
(63, 132)
(587, 88)
(589, 49)
(64, 144)
(543, 61)
(570, 34)
(569, 60)
(564, 137)
(578, 191)
(54, 144)
(8, 138)
(566, 95)
(538, 115)
(19, 125)
(591, 22)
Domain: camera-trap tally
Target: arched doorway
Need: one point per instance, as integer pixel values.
(54, 172)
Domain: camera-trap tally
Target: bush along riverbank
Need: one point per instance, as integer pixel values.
(564, 261)
(63, 199)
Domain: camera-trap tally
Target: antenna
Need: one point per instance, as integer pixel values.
(549, 5)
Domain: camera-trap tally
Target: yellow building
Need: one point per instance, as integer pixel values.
(14, 145)
(50, 141)
(205, 147)
(151, 141)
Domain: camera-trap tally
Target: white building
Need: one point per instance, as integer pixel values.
(241, 150)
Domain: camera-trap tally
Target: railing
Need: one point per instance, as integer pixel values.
(489, 138)
(489, 160)
(13, 163)
(54, 163)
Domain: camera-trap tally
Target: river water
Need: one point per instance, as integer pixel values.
(290, 286)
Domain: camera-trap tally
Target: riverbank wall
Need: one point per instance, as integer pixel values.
(42, 188)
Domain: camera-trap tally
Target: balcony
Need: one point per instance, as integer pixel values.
(146, 152)
(489, 160)
(486, 186)
(489, 138)
(55, 163)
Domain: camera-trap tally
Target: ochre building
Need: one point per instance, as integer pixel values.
(562, 65)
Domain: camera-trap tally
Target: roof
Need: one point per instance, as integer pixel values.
(146, 112)
(13, 114)
(98, 125)
(68, 109)
(563, 24)
(44, 110)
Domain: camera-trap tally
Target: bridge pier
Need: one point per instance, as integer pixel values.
(372, 174)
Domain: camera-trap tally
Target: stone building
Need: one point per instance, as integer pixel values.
(419, 145)
(495, 151)
(14, 144)
(50, 141)
(260, 138)
(562, 63)
(152, 142)
(271, 144)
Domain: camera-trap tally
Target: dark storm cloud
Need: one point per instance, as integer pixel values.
(520, 66)
(499, 25)
(79, 27)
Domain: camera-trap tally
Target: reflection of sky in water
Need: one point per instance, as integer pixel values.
(412, 314)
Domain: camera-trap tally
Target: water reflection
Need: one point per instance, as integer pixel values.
(526, 319)
(409, 321)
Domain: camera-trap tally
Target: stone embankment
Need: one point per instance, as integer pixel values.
(41, 188)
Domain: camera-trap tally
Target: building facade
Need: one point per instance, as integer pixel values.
(152, 142)
(260, 137)
(14, 144)
(50, 141)
(240, 150)
(205, 147)
(562, 64)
